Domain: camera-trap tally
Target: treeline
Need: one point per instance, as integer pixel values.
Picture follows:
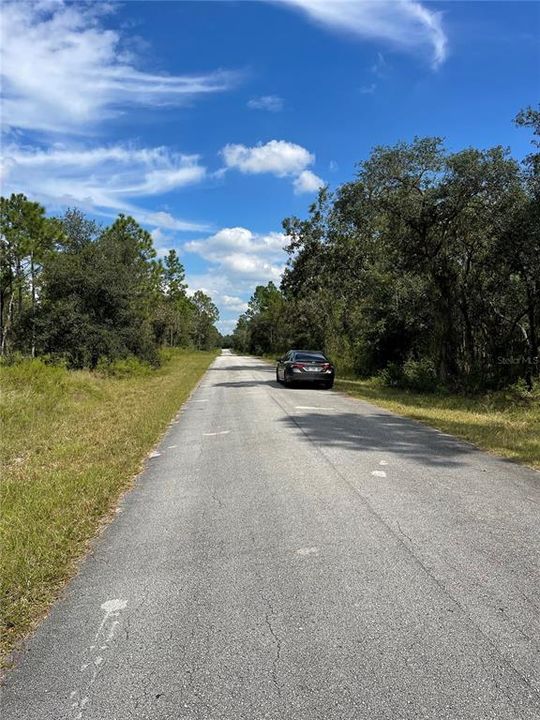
(83, 294)
(424, 268)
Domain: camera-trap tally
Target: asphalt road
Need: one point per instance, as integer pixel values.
(295, 553)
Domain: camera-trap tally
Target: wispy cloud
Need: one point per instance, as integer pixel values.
(272, 103)
(405, 23)
(104, 180)
(64, 71)
(380, 66)
(368, 89)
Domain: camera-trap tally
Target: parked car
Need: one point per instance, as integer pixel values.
(305, 366)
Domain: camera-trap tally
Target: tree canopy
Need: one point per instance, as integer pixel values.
(73, 290)
(427, 262)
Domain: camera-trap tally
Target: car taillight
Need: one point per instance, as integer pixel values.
(326, 366)
(300, 366)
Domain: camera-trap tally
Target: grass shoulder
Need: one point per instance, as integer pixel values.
(502, 422)
(71, 443)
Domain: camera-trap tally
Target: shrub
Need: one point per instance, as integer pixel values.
(420, 375)
(392, 375)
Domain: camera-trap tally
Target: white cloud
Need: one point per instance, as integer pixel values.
(238, 261)
(272, 103)
(307, 182)
(62, 70)
(405, 23)
(235, 304)
(226, 327)
(278, 157)
(163, 242)
(104, 180)
(240, 253)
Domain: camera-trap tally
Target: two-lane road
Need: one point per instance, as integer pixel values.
(297, 554)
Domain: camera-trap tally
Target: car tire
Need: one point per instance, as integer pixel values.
(277, 377)
(286, 380)
(328, 385)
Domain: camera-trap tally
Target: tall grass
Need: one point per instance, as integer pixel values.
(71, 442)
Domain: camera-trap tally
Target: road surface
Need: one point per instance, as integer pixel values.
(295, 553)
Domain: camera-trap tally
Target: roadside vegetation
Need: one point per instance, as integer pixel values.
(71, 443)
(81, 294)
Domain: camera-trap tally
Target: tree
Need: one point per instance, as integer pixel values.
(27, 237)
(99, 296)
(205, 335)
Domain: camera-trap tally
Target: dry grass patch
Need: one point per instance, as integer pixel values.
(71, 442)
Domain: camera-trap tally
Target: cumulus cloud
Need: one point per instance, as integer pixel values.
(62, 70)
(277, 157)
(272, 103)
(234, 304)
(239, 259)
(104, 180)
(408, 24)
(241, 253)
(307, 182)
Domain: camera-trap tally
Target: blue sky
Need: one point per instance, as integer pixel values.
(212, 121)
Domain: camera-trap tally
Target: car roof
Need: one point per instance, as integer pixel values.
(313, 352)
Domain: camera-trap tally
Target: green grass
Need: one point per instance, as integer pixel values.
(71, 443)
(504, 423)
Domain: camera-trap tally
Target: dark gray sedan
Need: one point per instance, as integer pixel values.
(305, 366)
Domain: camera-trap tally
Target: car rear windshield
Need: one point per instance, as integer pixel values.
(310, 357)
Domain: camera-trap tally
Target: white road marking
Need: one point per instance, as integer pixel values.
(312, 407)
(112, 609)
(221, 432)
(379, 473)
(170, 447)
(308, 551)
